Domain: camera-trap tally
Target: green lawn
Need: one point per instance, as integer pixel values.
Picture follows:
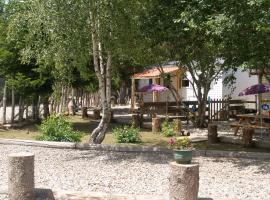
(86, 126)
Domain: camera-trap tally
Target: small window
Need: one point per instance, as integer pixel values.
(185, 83)
(150, 81)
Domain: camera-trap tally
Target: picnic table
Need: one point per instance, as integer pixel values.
(251, 121)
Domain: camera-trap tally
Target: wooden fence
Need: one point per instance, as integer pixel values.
(224, 109)
(216, 110)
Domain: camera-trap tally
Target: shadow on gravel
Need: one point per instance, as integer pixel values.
(43, 194)
(263, 166)
(116, 157)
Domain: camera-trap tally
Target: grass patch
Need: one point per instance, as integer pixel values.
(26, 133)
(148, 138)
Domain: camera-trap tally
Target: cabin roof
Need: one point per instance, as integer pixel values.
(155, 72)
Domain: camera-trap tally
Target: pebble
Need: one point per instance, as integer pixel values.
(139, 173)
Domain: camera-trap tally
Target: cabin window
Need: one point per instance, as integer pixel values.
(185, 83)
(150, 81)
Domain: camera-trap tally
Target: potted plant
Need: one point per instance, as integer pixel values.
(182, 149)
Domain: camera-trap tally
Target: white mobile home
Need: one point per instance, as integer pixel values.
(218, 89)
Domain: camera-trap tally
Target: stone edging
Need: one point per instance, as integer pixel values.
(132, 148)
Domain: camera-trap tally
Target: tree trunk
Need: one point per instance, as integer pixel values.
(60, 109)
(38, 108)
(35, 108)
(26, 111)
(46, 110)
(201, 118)
(21, 109)
(52, 107)
(4, 104)
(103, 73)
(77, 97)
(81, 98)
(12, 105)
(122, 93)
(202, 103)
(96, 99)
(98, 133)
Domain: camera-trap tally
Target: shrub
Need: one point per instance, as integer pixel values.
(167, 129)
(55, 128)
(127, 134)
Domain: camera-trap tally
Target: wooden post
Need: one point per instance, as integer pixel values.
(96, 114)
(212, 133)
(184, 181)
(84, 112)
(156, 124)
(21, 108)
(21, 176)
(12, 105)
(111, 119)
(136, 120)
(247, 137)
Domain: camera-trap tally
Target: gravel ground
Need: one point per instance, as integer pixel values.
(133, 173)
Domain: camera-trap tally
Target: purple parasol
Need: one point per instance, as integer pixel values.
(255, 89)
(153, 88)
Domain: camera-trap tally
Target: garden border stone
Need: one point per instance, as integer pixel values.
(132, 148)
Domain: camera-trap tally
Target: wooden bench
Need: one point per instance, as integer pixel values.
(254, 126)
(263, 126)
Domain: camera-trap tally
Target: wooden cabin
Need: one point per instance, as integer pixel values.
(154, 76)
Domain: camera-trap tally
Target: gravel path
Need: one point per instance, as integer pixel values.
(133, 173)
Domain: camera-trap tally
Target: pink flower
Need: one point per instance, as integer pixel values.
(171, 141)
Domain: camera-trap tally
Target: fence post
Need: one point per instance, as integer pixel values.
(21, 176)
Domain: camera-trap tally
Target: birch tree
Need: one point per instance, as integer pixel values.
(77, 32)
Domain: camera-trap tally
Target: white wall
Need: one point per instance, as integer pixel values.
(243, 80)
(216, 89)
(188, 92)
(215, 92)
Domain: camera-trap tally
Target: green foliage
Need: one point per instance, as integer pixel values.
(246, 33)
(181, 143)
(55, 128)
(167, 129)
(27, 79)
(127, 134)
